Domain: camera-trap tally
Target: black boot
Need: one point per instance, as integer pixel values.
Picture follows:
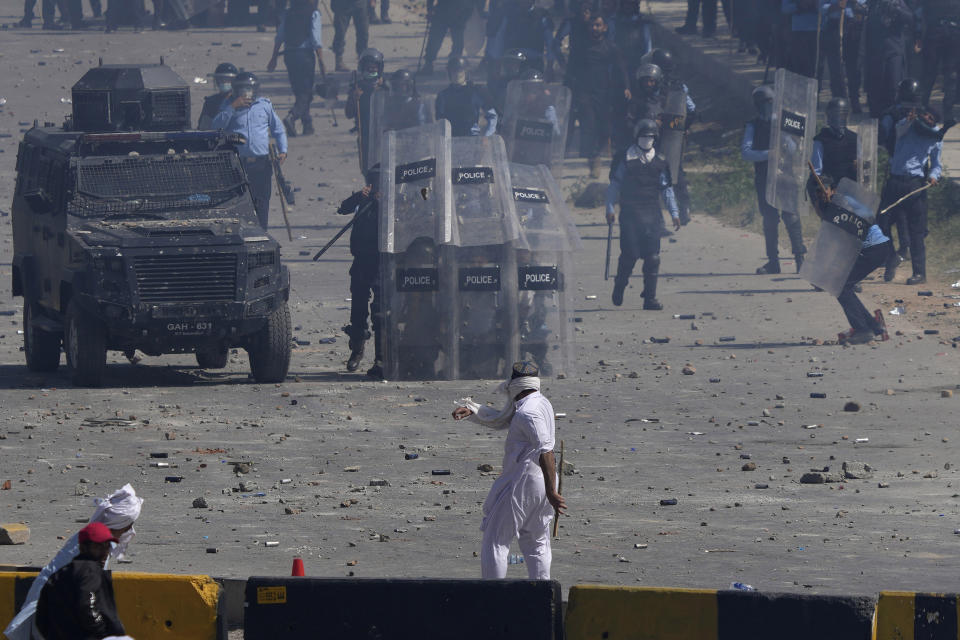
(917, 278)
(290, 125)
(619, 286)
(799, 260)
(890, 267)
(358, 339)
(772, 267)
(650, 302)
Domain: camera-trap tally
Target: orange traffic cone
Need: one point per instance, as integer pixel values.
(297, 568)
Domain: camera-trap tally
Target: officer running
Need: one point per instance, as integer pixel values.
(364, 272)
(639, 178)
(755, 148)
(223, 76)
(253, 117)
(462, 103)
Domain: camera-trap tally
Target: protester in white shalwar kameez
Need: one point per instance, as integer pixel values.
(522, 501)
(118, 511)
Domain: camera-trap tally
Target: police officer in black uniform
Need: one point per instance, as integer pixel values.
(888, 24)
(368, 80)
(638, 179)
(663, 58)
(509, 67)
(941, 49)
(445, 15)
(462, 103)
(365, 271)
(835, 147)
(645, 104)
(223, 76)
(755, 148)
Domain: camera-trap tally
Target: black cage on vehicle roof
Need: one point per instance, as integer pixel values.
(118, 97)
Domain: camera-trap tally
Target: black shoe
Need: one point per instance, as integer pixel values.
(308, 129)
(53, 26)
(652, 304)
(290, 125)
(618, 290)
(798, 257)
(376, 371)
(23, 24)
(356, 355)
(684, 217)
(917, 278)
(772, 267)
(686, 30)
(426, 70)
(374, 20)
(904, 253)
(890, 267)
(385, 19)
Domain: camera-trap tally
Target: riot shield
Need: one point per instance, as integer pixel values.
(673, 129)
(838, 243)
(186, 9)
(417, 286)
(392, 112)
(485, 258)
(867, 155)
(544, 270)
(534, 125)
(791, 140)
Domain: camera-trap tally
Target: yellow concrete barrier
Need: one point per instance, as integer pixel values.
(154, 606)
(640, 613)
(905, 615)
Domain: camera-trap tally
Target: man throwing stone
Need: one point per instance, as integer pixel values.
(522, 501)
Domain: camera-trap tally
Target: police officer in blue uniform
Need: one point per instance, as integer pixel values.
(755, 148)
(639, 178)
(915, 162)
(462, 103)
(252, 116)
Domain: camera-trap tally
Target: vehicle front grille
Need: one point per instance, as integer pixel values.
(186, 278)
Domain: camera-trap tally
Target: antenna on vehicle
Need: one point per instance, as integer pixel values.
(161, 59)
(101, 62)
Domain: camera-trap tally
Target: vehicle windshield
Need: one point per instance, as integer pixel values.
(147, 186)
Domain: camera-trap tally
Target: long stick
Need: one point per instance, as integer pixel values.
(912, 193)
(279, 181)
(819, 181)
(606, 269)
(333, 240)
(816, 59)
(556, 512)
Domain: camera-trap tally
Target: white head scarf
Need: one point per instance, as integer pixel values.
(118, 510)
(492, 418)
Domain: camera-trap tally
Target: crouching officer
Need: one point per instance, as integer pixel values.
(365, 271)
(223, 77)
(253, 117)
(639, 178)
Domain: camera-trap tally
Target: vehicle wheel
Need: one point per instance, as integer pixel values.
(86, 345)
(212, 357)
(42, 348)
(269, 348)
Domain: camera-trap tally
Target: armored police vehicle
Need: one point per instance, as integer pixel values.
(131, 232)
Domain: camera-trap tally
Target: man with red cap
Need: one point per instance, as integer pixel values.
(77, 601)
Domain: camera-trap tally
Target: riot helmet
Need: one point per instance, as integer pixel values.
(649, 78)
(223, 76)
(457, 70)
(245, 85)
(370, 66)
(401, 83)
(908, 91)
(512, 63)
(533, 75)
(763, 101)
(838, 111)
(645, 133)
(663, 59)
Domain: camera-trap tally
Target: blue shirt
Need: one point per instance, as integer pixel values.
(313, 40)
(799, 20)
(913, 151)
(747, 152)
(256, 123)
(616, 179)
(874, 237)
(831, 10)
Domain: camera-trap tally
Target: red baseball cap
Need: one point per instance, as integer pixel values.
(96, 532)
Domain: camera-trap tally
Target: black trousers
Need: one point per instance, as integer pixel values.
(709, 14)
(883, 74)
(870, 259)
(802, 53)
(913, 211)
(123, 11)
(260, 178)
(301, 64)
(593, 112)
(342, 15)
(640, 240)
(771, 222)
(941, 54)
(365, 298)
(438, 30)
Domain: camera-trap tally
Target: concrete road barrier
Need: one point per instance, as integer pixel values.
(641, 613)
(904, 615)
(425, 609)
(152, 606)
